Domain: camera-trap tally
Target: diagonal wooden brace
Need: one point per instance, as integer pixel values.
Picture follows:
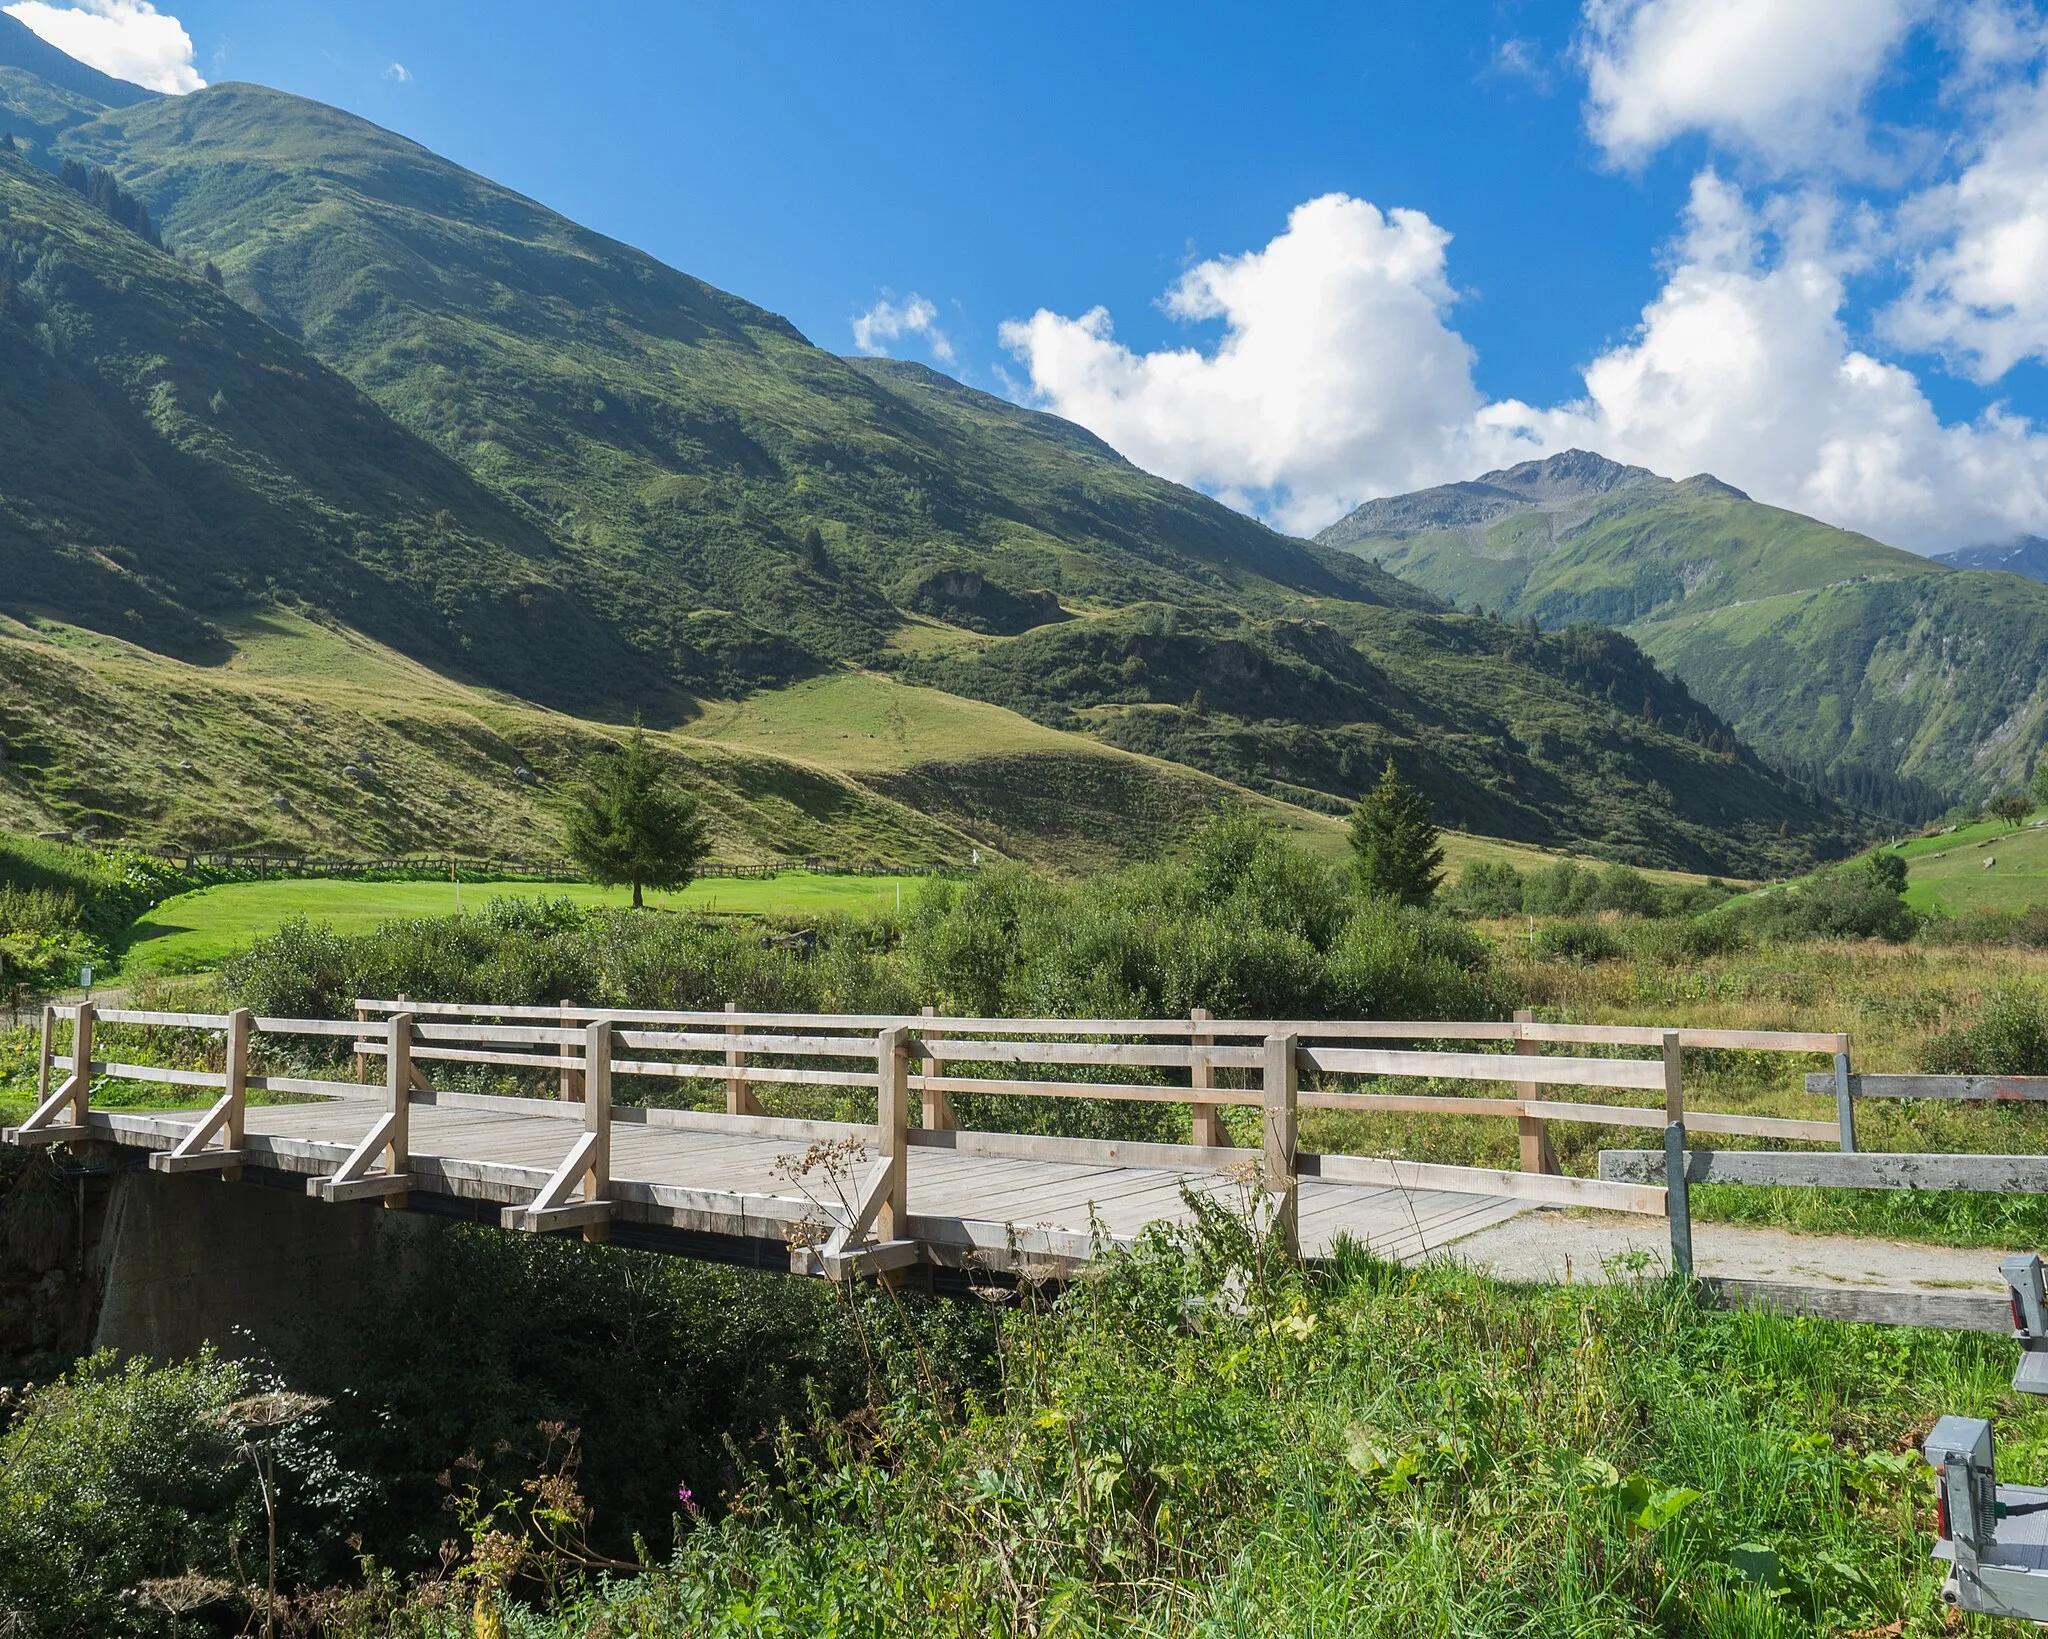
(42, 1126)
(555, 1207)
(354, 1181)
(196, 1151)
(588, 1165)
(390, 1135)
(867, 1207)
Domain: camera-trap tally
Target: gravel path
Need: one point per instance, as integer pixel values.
(1554, 1244)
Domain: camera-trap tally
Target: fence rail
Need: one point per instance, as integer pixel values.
(1206, 1063)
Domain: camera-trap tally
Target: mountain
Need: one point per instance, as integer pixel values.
(2026, 555)
(43, 91)
(1895, 680)
(420, 408)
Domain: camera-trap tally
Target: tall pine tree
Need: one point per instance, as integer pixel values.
(632, 824)
(1394, 842)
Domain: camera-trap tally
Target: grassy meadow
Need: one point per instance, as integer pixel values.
(198, 931)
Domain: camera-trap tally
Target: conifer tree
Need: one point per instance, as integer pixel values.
(631, 823)
(1394, 841)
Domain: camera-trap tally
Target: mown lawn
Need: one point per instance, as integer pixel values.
(1951, 874)
(197, 931)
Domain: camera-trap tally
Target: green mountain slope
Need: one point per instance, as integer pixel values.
(1893, 677)
(1561, 739)
(679, 442)
(614, 489)
(43, 91)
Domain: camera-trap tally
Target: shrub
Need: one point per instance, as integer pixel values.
(1676, 940)
(1577, 942)
(1860, 900)
(2009, 1037)
(1486, 889)
(119, 1473)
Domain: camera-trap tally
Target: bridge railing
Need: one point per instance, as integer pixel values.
(1206, 1063)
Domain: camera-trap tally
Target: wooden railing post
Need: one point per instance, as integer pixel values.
(241, 1025)
(1282, 1089)
(572, 1078)
(1674, 1078)
(81, 1062)
(739, 1092)
(1537, 1155)
(362, 1059)
(46, 1053)
(597, 1120)
(398, 1097)
(892, 1121)
(1208, 1129)
(938, 1108)
(1845, 1097)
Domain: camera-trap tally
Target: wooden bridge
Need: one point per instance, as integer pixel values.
(561, 1143)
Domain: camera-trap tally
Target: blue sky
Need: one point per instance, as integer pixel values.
(1302, 255)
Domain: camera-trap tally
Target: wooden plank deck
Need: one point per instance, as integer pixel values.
(720, 1176)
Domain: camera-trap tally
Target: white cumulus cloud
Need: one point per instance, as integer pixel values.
(1743, 366)
(398, 72)
(1337, 376)
(1979, 290)
(890, 321)
(1784, 80)
(129, 39)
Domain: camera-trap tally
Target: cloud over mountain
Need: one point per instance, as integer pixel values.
(129, 39)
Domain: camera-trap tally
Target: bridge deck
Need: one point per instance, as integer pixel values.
(1045, 1201)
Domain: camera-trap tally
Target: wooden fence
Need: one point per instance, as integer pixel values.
(922, 1062)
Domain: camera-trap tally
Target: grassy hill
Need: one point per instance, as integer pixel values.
(1896, 679)
(426, 412)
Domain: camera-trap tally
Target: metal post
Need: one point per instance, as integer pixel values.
(1282, 1088)
(1845, 1100)
(597, 1120)
(1678, 1199)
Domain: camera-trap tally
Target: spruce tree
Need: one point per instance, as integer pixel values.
(1394, 841)
(631, 823)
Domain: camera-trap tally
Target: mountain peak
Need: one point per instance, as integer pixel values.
(2022, 555)
(1565, 476)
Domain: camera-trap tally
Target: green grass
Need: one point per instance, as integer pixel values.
(198, 931)
(1948, 874)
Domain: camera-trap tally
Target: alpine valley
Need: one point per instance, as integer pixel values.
(348, 499)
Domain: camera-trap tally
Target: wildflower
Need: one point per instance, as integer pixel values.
(688, 1501)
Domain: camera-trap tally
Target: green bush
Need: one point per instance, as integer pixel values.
(2009, 1037)
(1864, 899)
(123, 1472)
(1677, 940)
(1576, 942)
(1568, 889)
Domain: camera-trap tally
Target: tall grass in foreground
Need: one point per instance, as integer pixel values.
(1197, 1440)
